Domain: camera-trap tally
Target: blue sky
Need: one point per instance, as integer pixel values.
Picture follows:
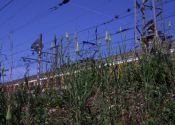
(23, 20)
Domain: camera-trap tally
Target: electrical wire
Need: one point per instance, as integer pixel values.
(21, 9)
(6, 5)
(91, 10)
(91, 27)
(90, 40)
(102, 37)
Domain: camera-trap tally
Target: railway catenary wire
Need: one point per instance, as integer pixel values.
(6, 5)
(86, 29)
(93, 40)
(120, 42)
(91, 27)
(109, 22)
(19, 10)
(165, 2)
(98, 25)
(170, 16)
(99, 38)
(44, 79)
(16, 85)
(30, 22)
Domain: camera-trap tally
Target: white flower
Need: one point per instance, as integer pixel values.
(121, 29)
(67, 35)
(107, 36)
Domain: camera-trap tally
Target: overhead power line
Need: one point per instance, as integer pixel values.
(21, 51)
(104, 23)
(19, 10)
(115, 18)
(6, 5)
(90, 10)
(169, 1)
(109, 21)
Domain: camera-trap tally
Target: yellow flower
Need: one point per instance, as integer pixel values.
(62, 80)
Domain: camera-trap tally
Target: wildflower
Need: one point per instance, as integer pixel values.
(107, 36)
(76, 44)
(121, 29)
(77, 48)
(67, 36)
(110, 38)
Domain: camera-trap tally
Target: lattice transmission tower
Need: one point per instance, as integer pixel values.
(149, 22)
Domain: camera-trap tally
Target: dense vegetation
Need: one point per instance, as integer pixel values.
(140, 92)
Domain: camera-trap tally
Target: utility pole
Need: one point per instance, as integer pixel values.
(56, 53)
(38, 46)
(2, 68)
(11, 50)
(39, 60)
(46, 62)
(61, 51)
(2, 72)
(27, 68)
(135, 25)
